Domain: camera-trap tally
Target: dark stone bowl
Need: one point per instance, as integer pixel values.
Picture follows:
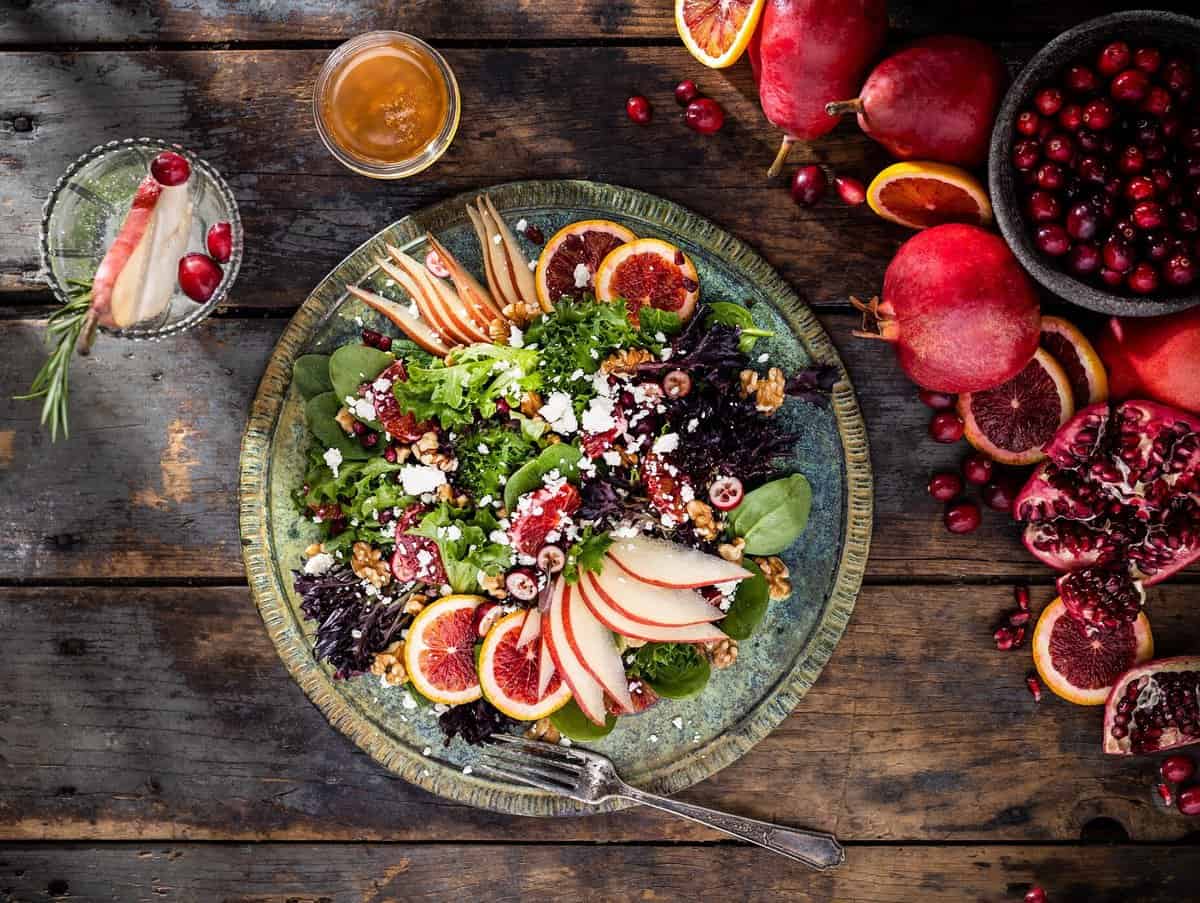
(1171, 31)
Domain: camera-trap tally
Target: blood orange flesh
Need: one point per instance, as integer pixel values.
(440, 651)
(928, 202)
(649, 273)
(586, 243)
(1082, 668)
(1072, 350)
(509, 676)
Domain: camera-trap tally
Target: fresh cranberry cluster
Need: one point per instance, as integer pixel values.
(1110, 160)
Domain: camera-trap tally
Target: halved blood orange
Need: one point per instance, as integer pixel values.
(439, 651)
(1085, 371)
(1082, 668)
(509, 676)
(649, 272)
(717, 32)
(584, 244)
(920, 194)
(1012, 422)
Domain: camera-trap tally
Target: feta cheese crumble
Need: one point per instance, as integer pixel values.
(333, 459)
(318, 564)
(582, 275)
(665, 444)
(559, 413)
(418, 479)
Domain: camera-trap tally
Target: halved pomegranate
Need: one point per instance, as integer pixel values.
(1153, 707)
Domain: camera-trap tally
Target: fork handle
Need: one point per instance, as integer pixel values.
(814, 848)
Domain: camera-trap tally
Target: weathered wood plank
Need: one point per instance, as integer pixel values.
(307, 873)
(80, 21)
(147, 485)
(165, 714)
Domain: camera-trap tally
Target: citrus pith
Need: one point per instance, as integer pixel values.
(439, 651)
(508, 676)
(919, 194)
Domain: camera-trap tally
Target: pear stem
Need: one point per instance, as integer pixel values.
(781, 157)
(842, 107)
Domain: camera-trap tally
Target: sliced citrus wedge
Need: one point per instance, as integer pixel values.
(649, 272)
(1082, 668)
(920, 194)
(439, 651)
(584, 244)
(717, 32)
(1079, 360)
(509, 676)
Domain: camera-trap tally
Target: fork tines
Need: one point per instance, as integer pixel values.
(550, 768)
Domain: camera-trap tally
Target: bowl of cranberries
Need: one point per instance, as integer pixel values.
(1095, 164)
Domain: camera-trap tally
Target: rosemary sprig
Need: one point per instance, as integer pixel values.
(51, 383)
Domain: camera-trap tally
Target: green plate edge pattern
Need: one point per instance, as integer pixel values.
(271, 597)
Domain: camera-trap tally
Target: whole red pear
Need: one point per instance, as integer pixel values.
(811, 52)
(1155, 357)
(934, 100)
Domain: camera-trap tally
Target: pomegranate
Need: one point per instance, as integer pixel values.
(1118, 502)
(959, 309)
(1155, 357)
(1155, 706)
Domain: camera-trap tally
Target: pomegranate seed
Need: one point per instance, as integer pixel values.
(939, 401)
(1148, 59)
(1019, 618)
(1189, 800)
(1035, 895)
(963, 517)
(1081, 79)
(945, 486)
(1143, 279)
(1129, 86)
(977, 468)
(219, 242)
(1113, 58)
(946, 427)
(685, 92)
(704, 115)
(638, 109)
(1003, 638)
(1052, 239)
(1164, 794)
(1048, 101)
(389, 454)
(371, 338)
(850, 190)
(358, 428)
(1021, 594)
(1018, 637)
(534, 234)
(170, 168)
(1028, 123)
(1098, 114)
(1177, 769)
(1035, 689)
(808, 185)
(199, 275)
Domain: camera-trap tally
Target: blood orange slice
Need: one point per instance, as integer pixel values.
(649, 272)
(583, 244)
(509, 676)
(717, 32)
(1081, 668)
(1079, 360)
(919, 195)
(439, 651)
(1012, 422)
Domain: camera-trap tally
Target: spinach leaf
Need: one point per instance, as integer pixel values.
(352, 365)
(310, 373)
(571, 721)
(561, 457)
(731, 314)
(319, 414)
(749, 605)
(774, 515)
(654, 321)
(673, 670)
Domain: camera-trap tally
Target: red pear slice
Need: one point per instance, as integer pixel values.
(662, 563)
(518, 266)
(593, 645)
(588, 693)
(601, 606)
(495, 258)
(453, 308)
(546, 669)
(398, 314)
(137, 223)
(473, 295)
(659, 606)
(403, 268)
(531, 628)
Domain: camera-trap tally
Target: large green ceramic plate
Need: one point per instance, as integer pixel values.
(775, 668)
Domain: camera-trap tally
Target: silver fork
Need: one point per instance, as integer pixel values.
(589, 777)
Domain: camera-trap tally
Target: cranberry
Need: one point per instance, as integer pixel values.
(389, 455)
(1052, 239)
(1170, 125)
(219, 242)
(199, 276)
(1035, 895)
(1124, 229)
(808, 185)
(1190, 138)
(998, 495)
(369, 439)
(1081, 79)
(1191, 167)
(1083, 259)
(485, 617)
(1111, 277)
(1044, 207)
(1186, 221)
(1058, 148)
(850, 190)
(1082, 222)
(521, 582)
(1093, 169)
(1132, 160)
(1070, 117)
(1177, 75)
(685, 92)
(1102, 204)
(945, 486)
(977, 468)
(1143, 279)
(1157, 101)
(1177, 768)
(435, 265)
(638, 109)
(962, 517)
(677, 384)
(373, 339)
(1156, 246)
(1129, 86)
(1089, 141)
(946, 427)
(1139, 188)
(1189, 800)
(726, 493)
(939, 401)
(1148, 215)
(1028, 123)
(1027, 153)
(551, 559)
(1113, 58)
(704, 115)
(1050, 176)
(1098, 114)
(1048, 101)
(170, 168)
(1180, 271)
(1118, 255)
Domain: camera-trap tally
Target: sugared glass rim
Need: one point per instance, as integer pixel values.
(403, 168)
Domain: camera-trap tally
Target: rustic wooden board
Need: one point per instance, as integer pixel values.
(164, 714)
(307, 873)
(146, 486)
(78, 21)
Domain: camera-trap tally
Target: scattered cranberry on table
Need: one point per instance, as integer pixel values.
(963, 517)
(945, 486)
(850, 190)
(685, 92)
(704, 115)
(946, 427)
(638, 109)
(808, 185)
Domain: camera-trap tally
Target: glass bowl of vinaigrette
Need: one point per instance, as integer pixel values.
(386, 104)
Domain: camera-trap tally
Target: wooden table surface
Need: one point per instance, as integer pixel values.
(152, 746)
